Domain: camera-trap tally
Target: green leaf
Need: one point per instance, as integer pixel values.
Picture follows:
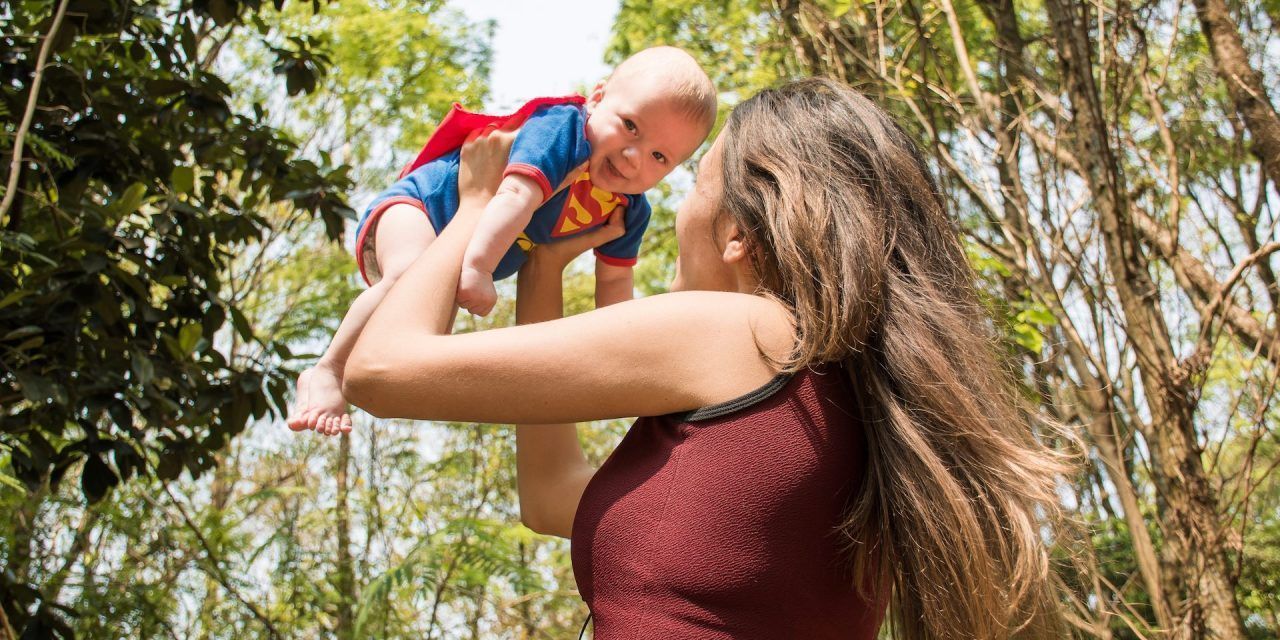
(241, 323)
(222, 11)
(129, 201)
(169, 465)
(143, 370)
(34, 387)
(1037, 314)
(11, 482)
(183, 179)
(29, 343)
(189, 336)
(22, 332)
(1028, 336)
(13, 296)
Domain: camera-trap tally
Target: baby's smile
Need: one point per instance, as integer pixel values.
(612, 170)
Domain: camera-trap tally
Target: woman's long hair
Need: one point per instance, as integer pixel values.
(848, 229)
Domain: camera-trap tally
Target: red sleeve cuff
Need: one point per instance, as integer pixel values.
(371, 221)
(617, 262)
(532, 172)
(395, 200)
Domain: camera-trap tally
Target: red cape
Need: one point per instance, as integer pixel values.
(459, 122)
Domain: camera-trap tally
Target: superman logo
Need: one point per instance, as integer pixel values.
(586, 207)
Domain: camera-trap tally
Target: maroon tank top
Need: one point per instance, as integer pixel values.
(721, 522)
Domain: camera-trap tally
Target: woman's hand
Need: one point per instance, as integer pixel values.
(555, 256)
(482, 162)
(539, 289)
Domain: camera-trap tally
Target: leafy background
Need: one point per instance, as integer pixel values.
(171, 254)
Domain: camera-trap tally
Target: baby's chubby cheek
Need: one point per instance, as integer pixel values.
(600, 175)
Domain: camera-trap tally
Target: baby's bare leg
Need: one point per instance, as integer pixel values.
(402, 234)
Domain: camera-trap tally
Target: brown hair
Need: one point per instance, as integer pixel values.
(848, 230)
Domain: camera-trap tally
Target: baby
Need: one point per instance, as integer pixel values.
(650, 115)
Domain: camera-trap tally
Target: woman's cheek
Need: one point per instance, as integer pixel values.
(677, 281)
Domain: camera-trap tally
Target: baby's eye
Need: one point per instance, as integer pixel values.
(631, 126)
(659, 157)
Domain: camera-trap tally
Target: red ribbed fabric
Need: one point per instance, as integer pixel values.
(722, 523)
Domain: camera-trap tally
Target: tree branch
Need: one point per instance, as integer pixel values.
(15, 163)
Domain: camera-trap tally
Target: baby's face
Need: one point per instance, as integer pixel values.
(637, 136)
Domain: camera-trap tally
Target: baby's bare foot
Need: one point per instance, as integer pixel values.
(320, 405)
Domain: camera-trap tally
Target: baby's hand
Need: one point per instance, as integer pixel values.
(475, 291)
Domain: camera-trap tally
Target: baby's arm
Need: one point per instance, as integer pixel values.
(616, 259)
(506, 215)
(614, 283)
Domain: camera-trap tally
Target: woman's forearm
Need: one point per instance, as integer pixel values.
(619, 286)
(551, 470)
(420, 305)
(551, 474)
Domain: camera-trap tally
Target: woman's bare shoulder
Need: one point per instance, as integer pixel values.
(767, 322)
(741, 327)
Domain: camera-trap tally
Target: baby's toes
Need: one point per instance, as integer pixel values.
(345, 424)
(312, 419)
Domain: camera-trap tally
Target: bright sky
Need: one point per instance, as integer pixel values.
(554, 49)
(543, 48)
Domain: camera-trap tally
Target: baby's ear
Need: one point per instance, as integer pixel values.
(597, 93)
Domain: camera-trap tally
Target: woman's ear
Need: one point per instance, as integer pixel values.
(735, 246)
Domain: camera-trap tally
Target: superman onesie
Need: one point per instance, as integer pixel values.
(551, 143)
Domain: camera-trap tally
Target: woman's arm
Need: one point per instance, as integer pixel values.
(661, 354)
(551, 470)
(614, 284)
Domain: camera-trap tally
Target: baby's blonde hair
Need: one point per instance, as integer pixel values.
(688, 86)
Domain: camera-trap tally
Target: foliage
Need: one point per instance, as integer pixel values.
(116, 242)
(171, 253)
(140, 183)
(980, 85)
(120, 229)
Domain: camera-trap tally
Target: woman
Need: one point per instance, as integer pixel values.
(829, 429)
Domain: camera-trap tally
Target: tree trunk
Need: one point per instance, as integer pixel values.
(1101, 427)
(219, 496)
(1244, 83)
(1200, 285)
(528, 626)
(1004, 16)
(1200, 586)
(345, 576)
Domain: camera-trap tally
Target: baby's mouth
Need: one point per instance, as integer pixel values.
(613, 171)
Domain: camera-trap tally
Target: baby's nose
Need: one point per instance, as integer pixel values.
(631, 155)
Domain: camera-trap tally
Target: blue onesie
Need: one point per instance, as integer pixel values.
(550, 144)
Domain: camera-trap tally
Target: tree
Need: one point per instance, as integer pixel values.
(1120, 241)
(118, 221)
